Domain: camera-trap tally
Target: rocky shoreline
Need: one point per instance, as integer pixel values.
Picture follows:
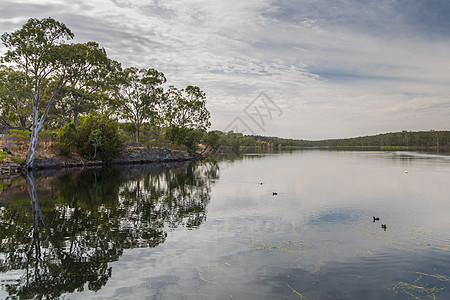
(127, 156)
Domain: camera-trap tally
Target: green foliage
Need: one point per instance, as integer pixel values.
(66, 138)
(52, 71)
(187, 137)
(139, 93)
(2, 155)
(70, 80)
(97, 133)
(19, 135)
(91, 75)
(128, 128)
(212, 139)
(185, 108)
(405, 140)
(95, 139)
(13, 97)
(50, 134)
(3, 185)
(393, 148)
(17, 160)
(387, 141)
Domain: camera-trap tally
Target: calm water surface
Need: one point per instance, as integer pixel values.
(215, 230)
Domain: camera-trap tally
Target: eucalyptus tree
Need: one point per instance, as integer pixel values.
(186, 108)
(81, 93)
(185, 115)
(38, 49)
(139, 93)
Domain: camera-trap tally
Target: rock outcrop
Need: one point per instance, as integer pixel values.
(150, 155)
(127, 156)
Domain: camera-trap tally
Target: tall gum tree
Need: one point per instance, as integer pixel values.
(185, 108)
(184, 115)
(139, 93)
(38, 49)
(80, 94)
(35, 50)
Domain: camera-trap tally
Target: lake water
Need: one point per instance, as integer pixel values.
(215, 229)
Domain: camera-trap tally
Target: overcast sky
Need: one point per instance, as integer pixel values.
(327, 68)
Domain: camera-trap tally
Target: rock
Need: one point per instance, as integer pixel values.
(9, 168)
(126, 156)
(47, 163)
(149, 155)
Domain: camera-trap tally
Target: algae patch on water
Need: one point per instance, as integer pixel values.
(419, 290)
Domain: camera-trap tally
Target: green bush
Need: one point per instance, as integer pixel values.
(211, 139)
(66, 138)
(3, 186)
(98, 137)
(20, 135)
(49, 134)
(187, 137)
(17, 160)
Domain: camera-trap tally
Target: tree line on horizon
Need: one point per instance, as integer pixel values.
(47, 83)
(393, 140)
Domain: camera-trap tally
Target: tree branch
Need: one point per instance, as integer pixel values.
(21, 103)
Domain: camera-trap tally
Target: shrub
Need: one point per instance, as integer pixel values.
(3, 186)
(187, 137)
(16, 141)
(98, 137)
(212, 139)
(66, 138)
(20, 135)
(17, 160)
(49, 134)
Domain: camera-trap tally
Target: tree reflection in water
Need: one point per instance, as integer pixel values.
(84, 220)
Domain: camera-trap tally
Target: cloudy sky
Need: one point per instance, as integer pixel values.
(326, 68)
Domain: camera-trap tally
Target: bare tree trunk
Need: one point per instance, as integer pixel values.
(33, 143)
(37, 125)
(159, 136)
(23, 122)
(138, 127)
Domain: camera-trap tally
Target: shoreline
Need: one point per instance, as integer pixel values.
(126, 156)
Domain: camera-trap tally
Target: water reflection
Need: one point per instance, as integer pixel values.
(315, 239)
(81, 221)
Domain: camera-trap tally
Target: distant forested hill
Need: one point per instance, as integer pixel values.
(402, 140)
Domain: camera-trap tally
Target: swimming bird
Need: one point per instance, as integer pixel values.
(376, 219)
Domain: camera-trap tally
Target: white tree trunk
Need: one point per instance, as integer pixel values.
(37, 126)
(33, 139)
(32, 148)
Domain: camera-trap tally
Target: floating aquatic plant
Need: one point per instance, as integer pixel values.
(417, 291)
(297, 293)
